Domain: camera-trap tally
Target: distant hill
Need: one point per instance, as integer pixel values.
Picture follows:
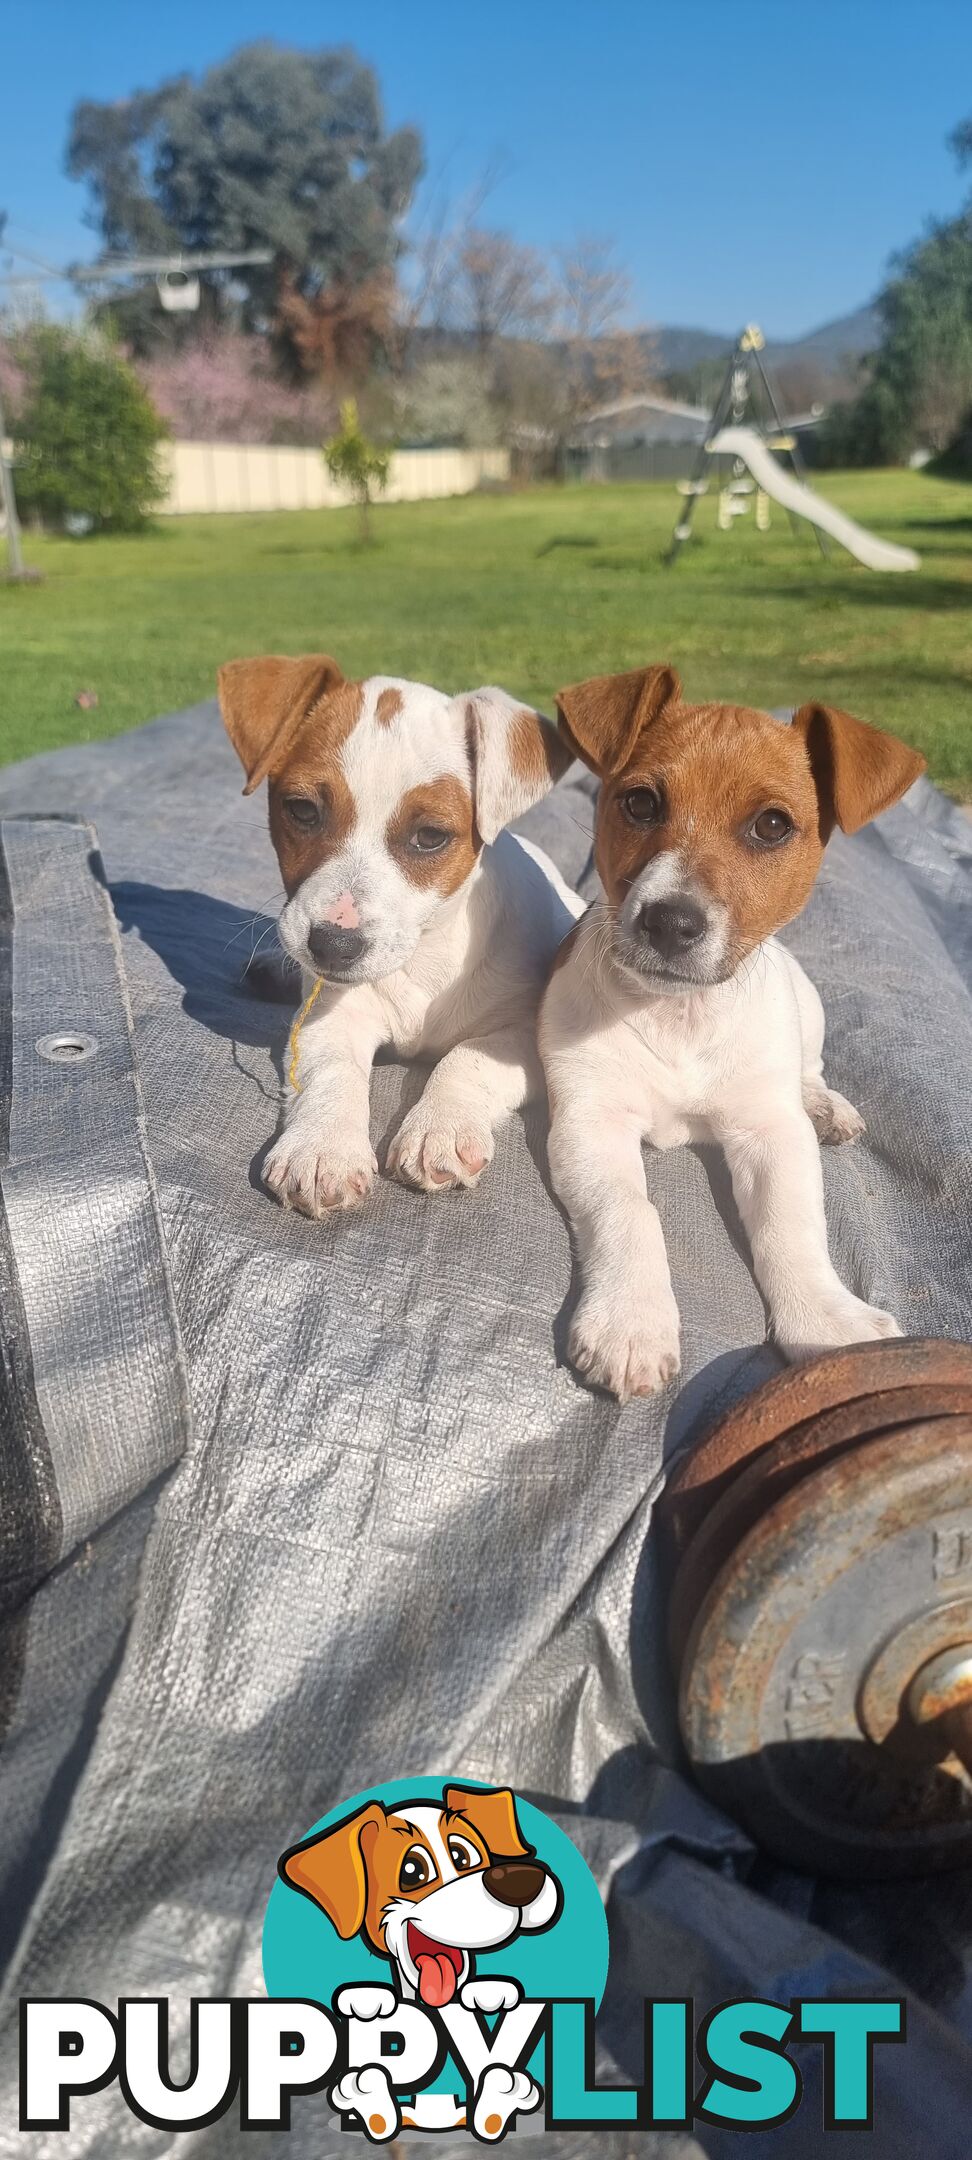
(829, 348)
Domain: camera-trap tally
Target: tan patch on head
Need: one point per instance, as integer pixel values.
(446, 805)
(311, 771)
(715, 768)
(388, 703)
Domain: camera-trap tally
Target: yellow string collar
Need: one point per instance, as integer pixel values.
(294, 1045)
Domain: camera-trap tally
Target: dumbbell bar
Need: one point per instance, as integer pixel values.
(820, 1542)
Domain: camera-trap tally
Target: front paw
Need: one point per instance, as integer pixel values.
(830, 1322)
(628, 1349)
(490, 1994)
(503, 2093)
(834, 1119)
(437, 1151)
(367, 2093)
(317, 1173)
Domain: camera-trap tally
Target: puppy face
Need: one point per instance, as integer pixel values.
(428, 1885)
(712, 819)
(382, 794)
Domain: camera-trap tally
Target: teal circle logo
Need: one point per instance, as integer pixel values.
(423, 1884)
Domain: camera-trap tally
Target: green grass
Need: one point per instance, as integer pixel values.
(530, 590)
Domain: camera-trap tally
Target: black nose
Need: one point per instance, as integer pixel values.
(671, 926)
(335, 949)
(514, 1882)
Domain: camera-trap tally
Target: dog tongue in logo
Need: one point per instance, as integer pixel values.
(438, 1967)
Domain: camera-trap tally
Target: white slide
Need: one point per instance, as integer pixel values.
(744, 443)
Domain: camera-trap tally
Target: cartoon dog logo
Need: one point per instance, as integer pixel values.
(428, 1886)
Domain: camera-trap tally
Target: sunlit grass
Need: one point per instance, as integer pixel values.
(531, 590)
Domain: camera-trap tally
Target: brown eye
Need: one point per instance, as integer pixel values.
(770, 828)
(642, 805)
(415, 1870)
(429, 840)
(302, 811)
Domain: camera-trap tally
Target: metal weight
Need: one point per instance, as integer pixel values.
(815, 1703)
(774, 1468)
(801, 1392)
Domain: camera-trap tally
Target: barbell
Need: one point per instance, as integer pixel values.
(818, 1541)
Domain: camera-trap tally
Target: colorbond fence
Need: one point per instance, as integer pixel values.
(207, 476)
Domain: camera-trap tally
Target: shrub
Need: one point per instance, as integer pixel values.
(87, 436)
(357, 463)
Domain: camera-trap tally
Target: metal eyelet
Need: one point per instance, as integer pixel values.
(68, 1047)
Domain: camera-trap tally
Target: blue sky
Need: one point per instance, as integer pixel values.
(753, 158)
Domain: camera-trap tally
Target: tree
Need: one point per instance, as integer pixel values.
(357, 463)
(221, 388)
(271, 148)
(920, 389)
(448, 398)
(86, 436)
(604, 359)
(501, 289)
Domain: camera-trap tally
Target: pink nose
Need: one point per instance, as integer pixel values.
(343, 912)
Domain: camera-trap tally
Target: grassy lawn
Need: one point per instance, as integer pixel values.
(530, 590)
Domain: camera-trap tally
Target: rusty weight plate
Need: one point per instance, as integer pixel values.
(769, 1473)
(792, 1398)
(871, 1550)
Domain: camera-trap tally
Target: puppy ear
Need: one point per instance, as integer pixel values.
(332, 1869)
(516, 756)
(602, 719)
(858, 770)
(493, 1814)
(261, 700)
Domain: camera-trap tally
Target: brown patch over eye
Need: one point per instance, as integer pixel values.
(431, 834)
(312, 775)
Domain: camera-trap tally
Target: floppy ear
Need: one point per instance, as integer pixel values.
(516, 756)
(602, 719)
(493, 1814)
(332, 1869)
(858, 770)
(261, 700)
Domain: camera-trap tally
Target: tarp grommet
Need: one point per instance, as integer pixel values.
(69, 1046)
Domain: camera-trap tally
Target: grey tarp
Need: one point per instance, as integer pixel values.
(399, 1537)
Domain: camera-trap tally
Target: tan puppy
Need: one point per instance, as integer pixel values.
(674, 1016)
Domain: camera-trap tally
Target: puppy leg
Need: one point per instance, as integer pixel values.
(833, 1118)
(778, 1185)
(447, 1138)
(323, 1159)
(624, 1335)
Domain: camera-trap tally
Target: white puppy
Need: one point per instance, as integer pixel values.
(673, 1016)
(417, 922)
